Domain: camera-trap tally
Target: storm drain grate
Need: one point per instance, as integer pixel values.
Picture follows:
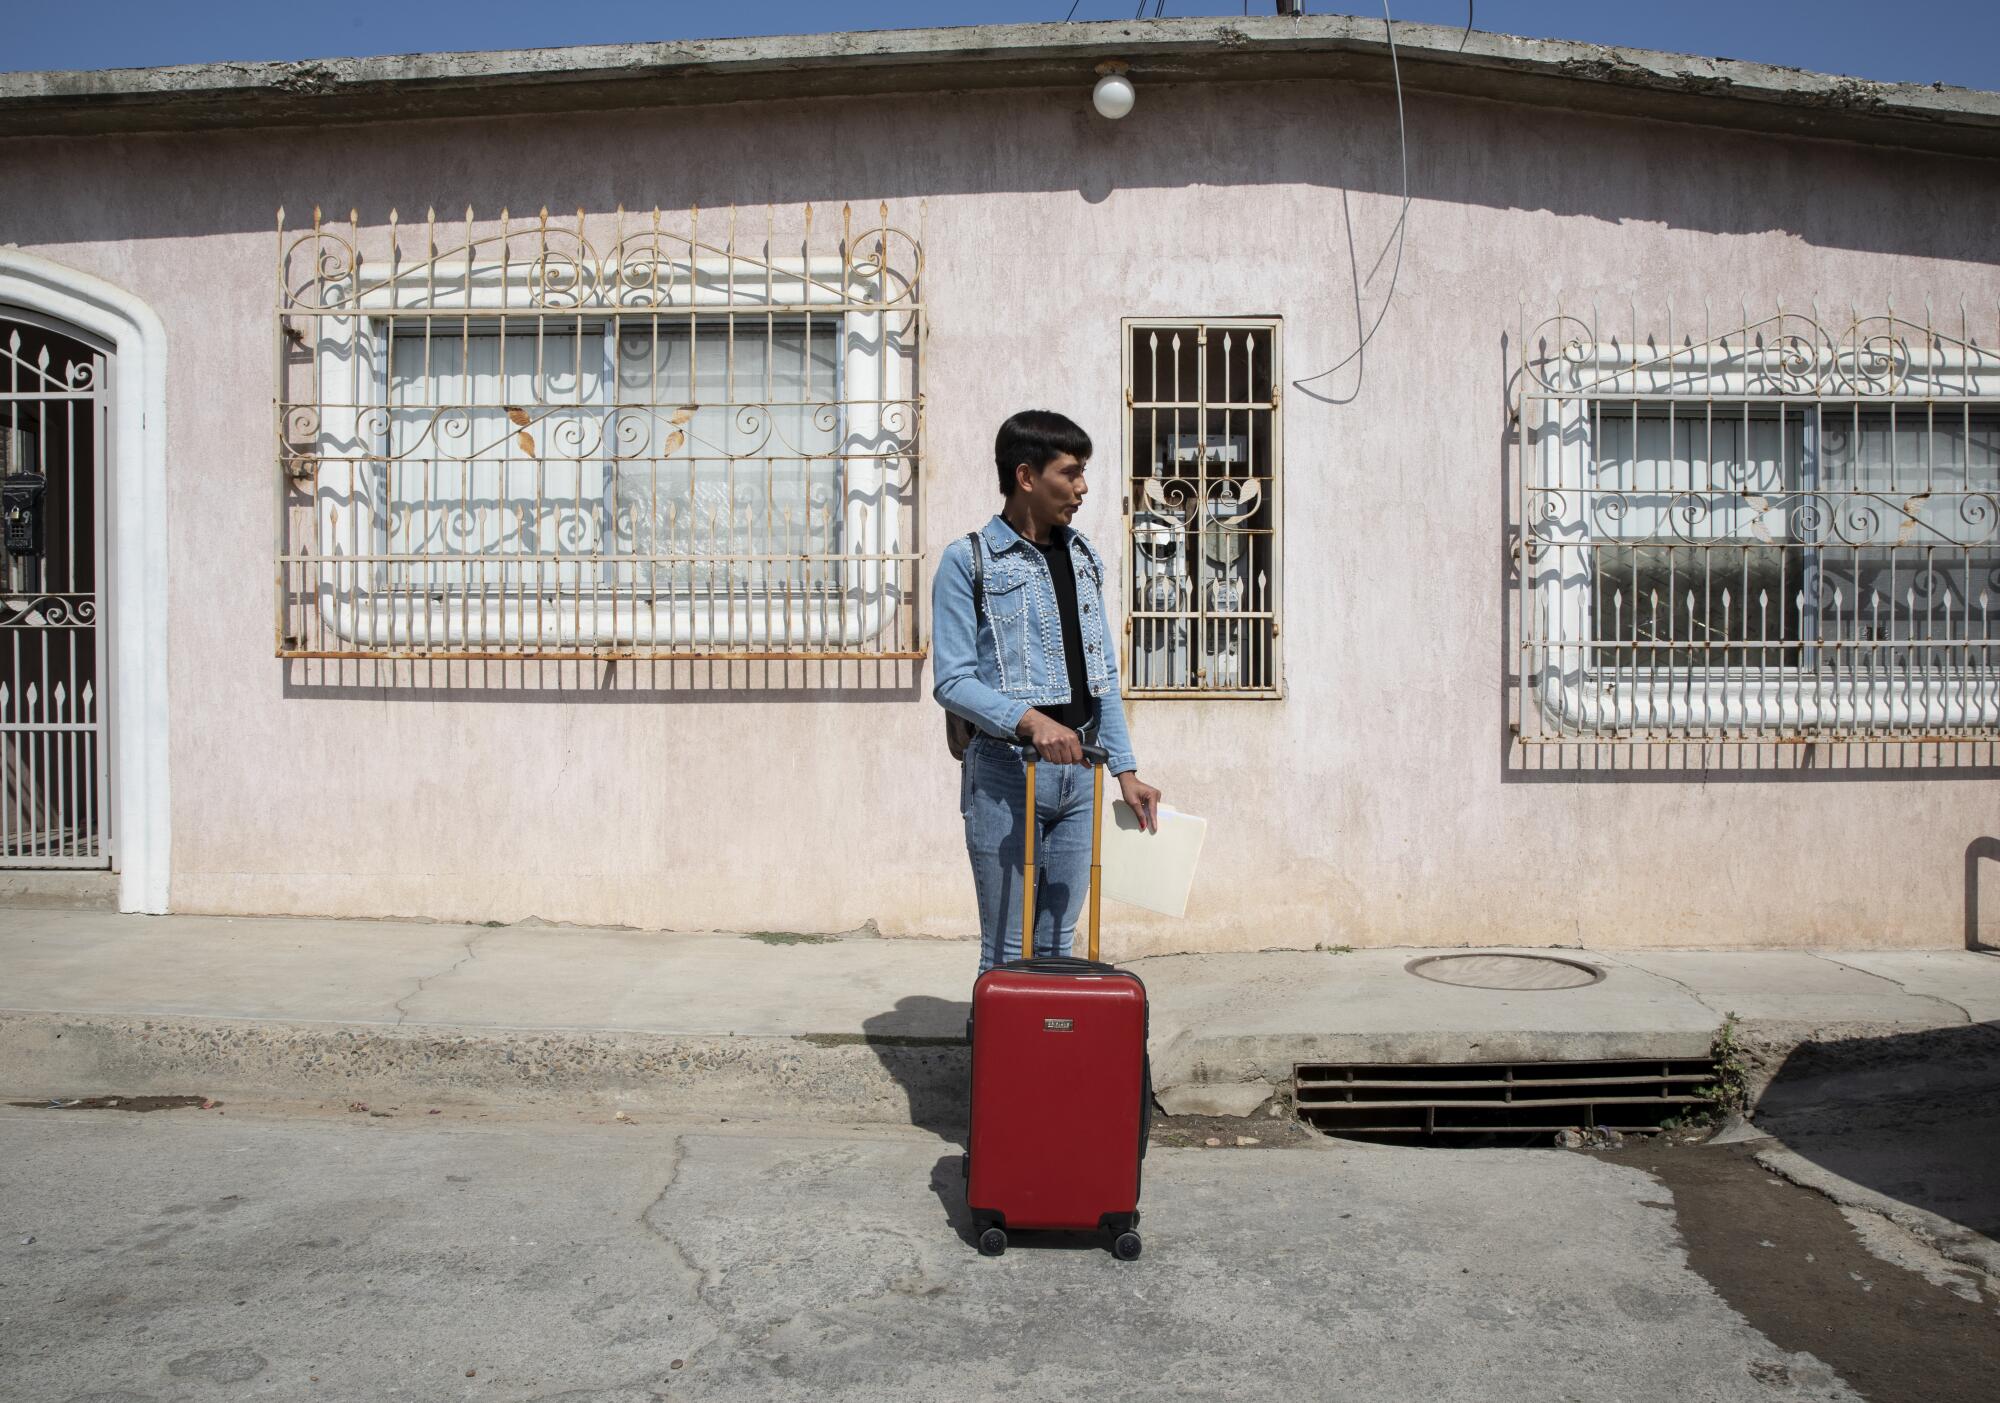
(1461, 1102)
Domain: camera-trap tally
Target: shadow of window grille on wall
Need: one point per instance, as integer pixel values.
(599, 437)
(1202, 508)
(1783, 530)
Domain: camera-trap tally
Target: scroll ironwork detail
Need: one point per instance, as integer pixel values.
(1785, 529)
(601, 436)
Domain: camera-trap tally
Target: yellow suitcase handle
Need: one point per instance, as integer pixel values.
(1097, 758)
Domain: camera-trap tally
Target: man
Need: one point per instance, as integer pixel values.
(1032, 658)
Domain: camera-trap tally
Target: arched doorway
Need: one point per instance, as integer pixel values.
(129, 445)
(55, 432)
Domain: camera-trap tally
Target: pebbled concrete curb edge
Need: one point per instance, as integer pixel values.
(895, 1081)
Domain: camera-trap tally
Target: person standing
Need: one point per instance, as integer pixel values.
(1023, 652)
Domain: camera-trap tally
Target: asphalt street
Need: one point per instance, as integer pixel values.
(252, 1252)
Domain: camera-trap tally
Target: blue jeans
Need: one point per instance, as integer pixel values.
(992, 793)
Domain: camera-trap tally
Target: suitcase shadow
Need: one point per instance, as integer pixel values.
(948, 1183)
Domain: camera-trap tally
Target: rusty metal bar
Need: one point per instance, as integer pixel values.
(1780, 533)
(599, 438)
(1422, 1101)
(1202, 499)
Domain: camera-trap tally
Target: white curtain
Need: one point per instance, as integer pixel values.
(1909, 545)
(728, 444)
(1690, 476)
(496, 449)
(1767, 526)
(1688, 512)
(705, 444)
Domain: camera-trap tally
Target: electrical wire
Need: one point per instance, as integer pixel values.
(1072, 11)
(1468, 26)
(1396, 236)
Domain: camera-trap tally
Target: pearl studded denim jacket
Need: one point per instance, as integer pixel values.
(991, 670)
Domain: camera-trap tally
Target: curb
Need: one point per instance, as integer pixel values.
(815, 1078)
(842, 1078)
(831, 1077)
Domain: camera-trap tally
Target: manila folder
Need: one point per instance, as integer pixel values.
(1154, 870)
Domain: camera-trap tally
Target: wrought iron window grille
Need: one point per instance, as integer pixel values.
(1785, 530)
(1203, 499)
(599, 437)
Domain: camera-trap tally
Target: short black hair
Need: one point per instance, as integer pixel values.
(1036, 437)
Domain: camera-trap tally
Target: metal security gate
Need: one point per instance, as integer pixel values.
(55, 425)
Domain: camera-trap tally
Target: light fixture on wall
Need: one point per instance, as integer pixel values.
(1113, 96)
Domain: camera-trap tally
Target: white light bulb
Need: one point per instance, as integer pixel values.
(1113, 96)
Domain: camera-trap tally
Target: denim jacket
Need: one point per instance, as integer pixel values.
(992, 670)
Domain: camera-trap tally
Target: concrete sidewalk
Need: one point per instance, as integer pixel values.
(850, 1029)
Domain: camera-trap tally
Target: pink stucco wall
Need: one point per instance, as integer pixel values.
(1373, 805)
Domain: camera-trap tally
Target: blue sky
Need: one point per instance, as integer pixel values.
(1950, 41)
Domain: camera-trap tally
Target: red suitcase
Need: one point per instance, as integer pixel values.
(1061, 1084)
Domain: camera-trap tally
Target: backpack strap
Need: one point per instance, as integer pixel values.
(978, 577)
(958, 732)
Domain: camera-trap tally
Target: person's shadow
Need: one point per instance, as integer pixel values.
(922, 1046)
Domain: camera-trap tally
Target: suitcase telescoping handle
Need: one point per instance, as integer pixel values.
(1097, 757)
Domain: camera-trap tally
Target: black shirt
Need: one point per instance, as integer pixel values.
(1074, 713)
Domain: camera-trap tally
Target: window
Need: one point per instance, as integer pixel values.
(783, 504)
(1777, 534)
(475, 486)
(1202, 508)
(526, 446)
(598, 477)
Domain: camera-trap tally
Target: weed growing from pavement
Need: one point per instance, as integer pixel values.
(788, 937)
(1729, 1093)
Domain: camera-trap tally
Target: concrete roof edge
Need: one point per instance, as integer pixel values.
(1435, 59)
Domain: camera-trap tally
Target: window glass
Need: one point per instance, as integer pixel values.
(494, 451)
(727, 443)
(1730, 535)
(1203, 497)
(714, 446)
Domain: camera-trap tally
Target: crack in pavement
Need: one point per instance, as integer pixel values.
(726, 1334)
(423, 980)
(1964, 1014)
(747, 1337)
(677, 1149)
(1721, 1016)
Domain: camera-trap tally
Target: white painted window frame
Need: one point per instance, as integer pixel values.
(1574, 696)
(354, 348)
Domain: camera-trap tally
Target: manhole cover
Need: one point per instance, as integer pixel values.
(1506, 971)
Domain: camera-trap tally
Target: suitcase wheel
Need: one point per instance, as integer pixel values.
(1125, 1247)
(993, 1242)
